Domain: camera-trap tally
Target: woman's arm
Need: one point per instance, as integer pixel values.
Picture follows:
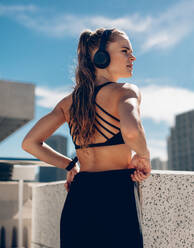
(33, 142)
(130, 122)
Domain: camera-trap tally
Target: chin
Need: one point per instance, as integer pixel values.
(129, 75)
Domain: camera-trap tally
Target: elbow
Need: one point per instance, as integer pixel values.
(25, 144)
(132, 133)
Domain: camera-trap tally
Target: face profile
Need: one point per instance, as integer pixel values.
(121, 59)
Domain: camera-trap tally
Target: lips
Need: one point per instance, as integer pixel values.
(130, 66)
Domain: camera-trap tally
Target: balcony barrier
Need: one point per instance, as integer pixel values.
(166, 210)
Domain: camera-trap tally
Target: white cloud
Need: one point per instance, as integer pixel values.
(48, 98)
(61, 25)
(7, 10)
(162, 103)
(162, 31)
(171, 26)
(158, 148)
(154, 80)
(135, 23)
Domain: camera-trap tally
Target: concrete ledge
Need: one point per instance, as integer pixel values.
(166, 210)
(48, 201)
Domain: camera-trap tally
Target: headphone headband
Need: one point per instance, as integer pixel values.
(104, 39)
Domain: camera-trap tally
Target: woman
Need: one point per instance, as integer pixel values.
(104, 119)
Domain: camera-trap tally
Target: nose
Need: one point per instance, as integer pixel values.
(133, 58)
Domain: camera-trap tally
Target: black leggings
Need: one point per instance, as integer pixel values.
(101, 210)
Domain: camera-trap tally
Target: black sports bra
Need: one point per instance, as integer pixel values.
(116, 139)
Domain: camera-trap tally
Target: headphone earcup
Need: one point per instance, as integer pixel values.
(101, 59)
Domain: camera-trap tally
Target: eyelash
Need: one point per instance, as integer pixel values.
(124, 50)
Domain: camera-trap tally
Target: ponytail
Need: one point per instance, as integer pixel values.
(82, 110)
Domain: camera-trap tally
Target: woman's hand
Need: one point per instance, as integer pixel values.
(70, 175)
(142, 166)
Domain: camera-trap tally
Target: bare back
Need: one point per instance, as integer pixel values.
(105, 157)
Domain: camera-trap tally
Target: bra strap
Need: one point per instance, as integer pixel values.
(98, 87)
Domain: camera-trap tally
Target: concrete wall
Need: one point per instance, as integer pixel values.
(16, 100)
(166, 210)
(47, 204)
(16, 106)
(167, 207)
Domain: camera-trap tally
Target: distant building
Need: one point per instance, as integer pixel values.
(181, 143)
(157, 164)
(58, 143)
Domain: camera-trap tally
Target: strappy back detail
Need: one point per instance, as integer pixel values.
(116, 139)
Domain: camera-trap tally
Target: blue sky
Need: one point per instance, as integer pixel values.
(38, 45)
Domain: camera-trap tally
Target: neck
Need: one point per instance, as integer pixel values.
(101, 80)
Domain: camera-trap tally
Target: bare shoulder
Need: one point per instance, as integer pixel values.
(64, 104)
(129, 90)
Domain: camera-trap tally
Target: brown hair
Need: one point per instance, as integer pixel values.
(82, 110)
